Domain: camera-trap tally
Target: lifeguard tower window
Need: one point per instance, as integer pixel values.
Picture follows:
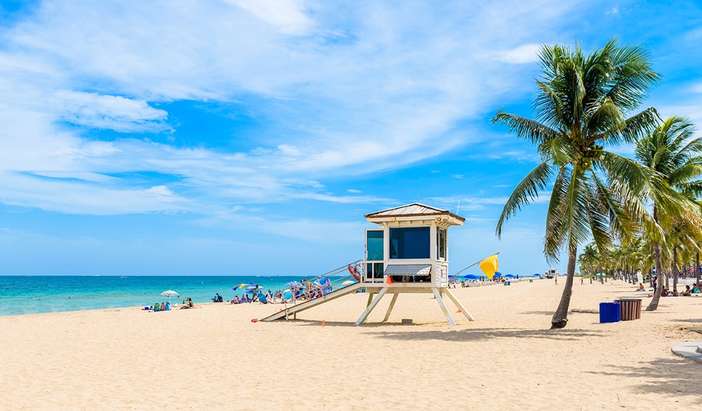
(441, 243)
(374, 270)
(374, 244)
(409, 242)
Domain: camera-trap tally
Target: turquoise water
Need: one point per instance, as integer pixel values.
(37, 294)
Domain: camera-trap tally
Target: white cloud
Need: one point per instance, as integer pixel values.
(613, 11)
(108, 112)
(373, 89)
(695, 88)
(526, 53)
(77, 198)
(286, 15)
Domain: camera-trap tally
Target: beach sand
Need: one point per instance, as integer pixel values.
(214, 357)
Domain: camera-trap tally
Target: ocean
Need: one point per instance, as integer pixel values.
(39, 294)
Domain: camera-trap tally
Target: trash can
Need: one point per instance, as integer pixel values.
(610, 312)
(630, 308)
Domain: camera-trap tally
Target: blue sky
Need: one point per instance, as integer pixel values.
(250, 136)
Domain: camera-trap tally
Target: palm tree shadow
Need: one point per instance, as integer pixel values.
(670, 376)
(480, 334)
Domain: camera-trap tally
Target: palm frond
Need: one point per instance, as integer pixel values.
(532, 130)
(526, 191)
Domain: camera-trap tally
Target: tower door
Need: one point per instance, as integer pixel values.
(375, 255)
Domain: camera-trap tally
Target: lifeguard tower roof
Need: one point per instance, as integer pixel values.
(414, 211)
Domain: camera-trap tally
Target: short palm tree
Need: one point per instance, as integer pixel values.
(590, 261)
(584, 103)
(672, 153)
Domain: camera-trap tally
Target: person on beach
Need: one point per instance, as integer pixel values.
(188, 303)
(696, 289)
(641, 287)
(687, 291)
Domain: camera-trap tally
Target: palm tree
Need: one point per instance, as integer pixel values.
(676, 157)
(582, 105)
(590, 261)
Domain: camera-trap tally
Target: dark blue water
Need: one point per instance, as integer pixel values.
(36, 294)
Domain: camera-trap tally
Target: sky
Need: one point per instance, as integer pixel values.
(249, 137)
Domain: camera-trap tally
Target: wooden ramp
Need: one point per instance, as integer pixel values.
(294, 309)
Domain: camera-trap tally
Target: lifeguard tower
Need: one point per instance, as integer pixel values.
(406, 253)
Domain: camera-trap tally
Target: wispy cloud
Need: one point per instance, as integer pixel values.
(473, 203)
(526, 53)
(373, 89)
(288, 16)
(109, 112)
(695, 87)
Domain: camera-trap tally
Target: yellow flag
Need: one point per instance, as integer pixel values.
(489, 266)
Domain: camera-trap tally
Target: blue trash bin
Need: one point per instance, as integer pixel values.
(610, 312)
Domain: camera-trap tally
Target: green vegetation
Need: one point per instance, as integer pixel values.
(587, 104)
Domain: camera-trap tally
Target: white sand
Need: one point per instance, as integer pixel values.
(215, 357)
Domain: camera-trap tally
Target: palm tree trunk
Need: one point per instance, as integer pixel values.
(697, 268)
(653, 305)
(675, 271)
(667, 281)
(560, 317)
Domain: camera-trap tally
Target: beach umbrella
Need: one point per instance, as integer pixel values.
(169, 293)
(243, 286)
(246, 287)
